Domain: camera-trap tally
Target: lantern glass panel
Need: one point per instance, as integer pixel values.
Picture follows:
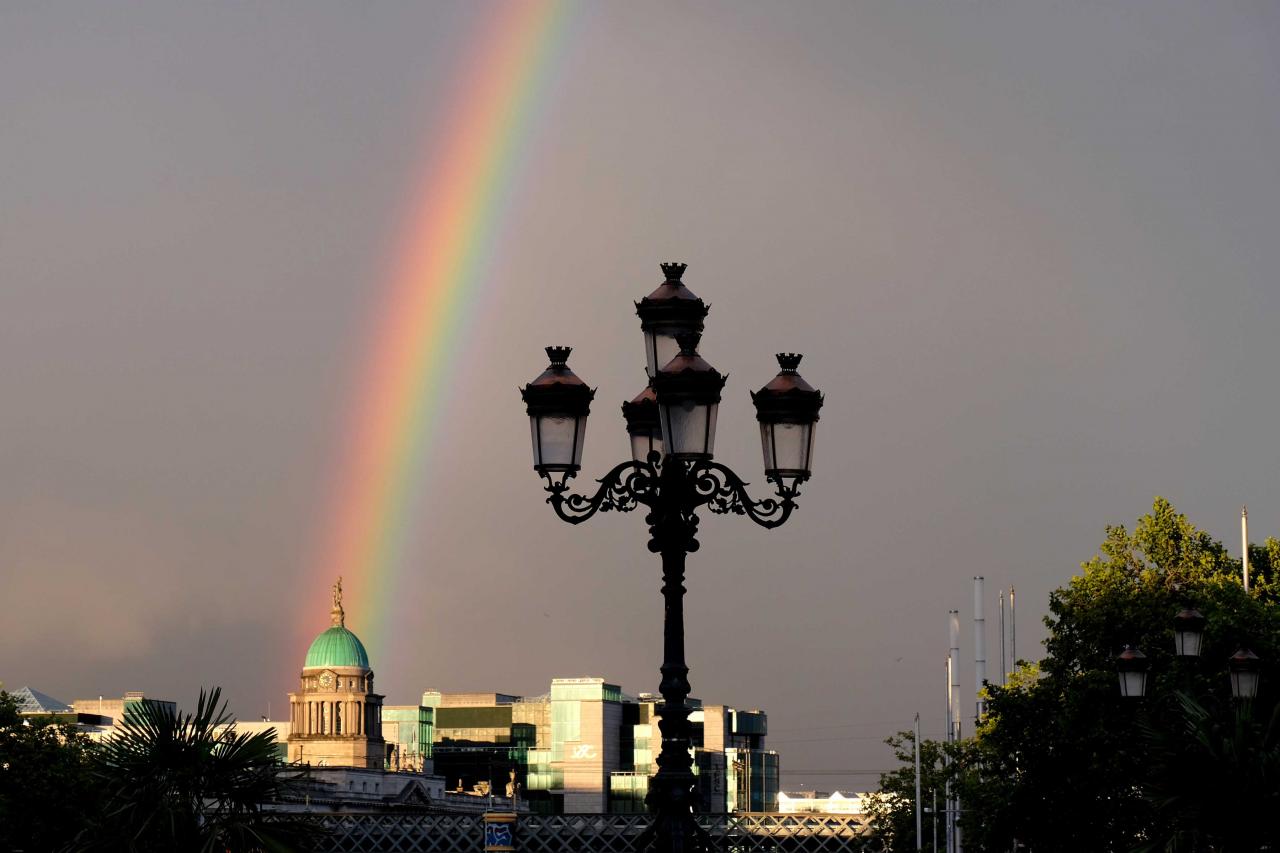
(557, 441)
(660, 346)
(1187, 643)
(1244, 684)
(787, 448)
(1133, 684)
(641, 445)
(689, 428)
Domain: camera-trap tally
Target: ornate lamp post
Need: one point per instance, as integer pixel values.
(672, 473)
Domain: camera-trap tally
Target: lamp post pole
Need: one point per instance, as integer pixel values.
(671, 426)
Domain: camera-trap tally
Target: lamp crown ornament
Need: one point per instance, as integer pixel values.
(559, 355)
(673, 270)
(789, 361)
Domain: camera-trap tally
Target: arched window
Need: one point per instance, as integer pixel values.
(337, 718)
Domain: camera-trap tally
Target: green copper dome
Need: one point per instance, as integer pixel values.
(337, 647)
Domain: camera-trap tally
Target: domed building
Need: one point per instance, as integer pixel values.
(335, 717)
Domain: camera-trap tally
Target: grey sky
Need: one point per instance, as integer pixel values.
(1028, 249)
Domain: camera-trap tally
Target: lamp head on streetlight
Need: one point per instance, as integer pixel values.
(787, 409)
(1132, 666)
(644, 428)
(688, 391)
(1244, 667)
(1188, 632)
(667, 312)
(558, 403)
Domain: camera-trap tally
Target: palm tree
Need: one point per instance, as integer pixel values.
(1214, 778)
(189, 782)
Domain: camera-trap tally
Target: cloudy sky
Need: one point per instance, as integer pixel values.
(1029, 251)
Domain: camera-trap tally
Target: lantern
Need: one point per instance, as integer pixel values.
(787, 409)
(1132, 666)
(670, 311)
(643, 425)
(558, 404)
(1244, 667)
(1188, 632)
(688, 391)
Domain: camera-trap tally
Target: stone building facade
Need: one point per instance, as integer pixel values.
(336, 717)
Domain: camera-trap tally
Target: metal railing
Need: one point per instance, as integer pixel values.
(743, 832)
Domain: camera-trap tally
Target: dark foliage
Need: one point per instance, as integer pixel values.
(1063, 763)
(188, 782)
(47, 793)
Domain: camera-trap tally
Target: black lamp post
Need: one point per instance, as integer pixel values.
(671, 426)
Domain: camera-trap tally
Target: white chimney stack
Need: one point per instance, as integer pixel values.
(979, 647)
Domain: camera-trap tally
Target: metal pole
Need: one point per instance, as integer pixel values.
(979, 651)
(1244, 544)
(955, 672)
(1004, 665)
(671, 795)
(1013, 633)
(935, 821)
(946, 763)
(919, 831)
(955, 721)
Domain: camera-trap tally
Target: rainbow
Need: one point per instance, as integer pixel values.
(439, 271)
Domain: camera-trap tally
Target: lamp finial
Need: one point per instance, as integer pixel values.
(789, 361)
(673, 270)
(558, 355)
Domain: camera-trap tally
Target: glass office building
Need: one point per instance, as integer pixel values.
(407, 730)
(586, 747)
(734, 769)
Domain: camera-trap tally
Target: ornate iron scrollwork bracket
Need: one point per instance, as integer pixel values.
(627, 486)
(723, 491)
(631, 484)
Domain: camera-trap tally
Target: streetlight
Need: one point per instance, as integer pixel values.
(1132, 666)
(1188, 632)
(1244, 667)
(671, 426)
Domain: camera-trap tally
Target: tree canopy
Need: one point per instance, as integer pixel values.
(1063, 762)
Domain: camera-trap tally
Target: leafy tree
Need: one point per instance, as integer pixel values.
(188, 782)
(46, 789)
(1064, 762)
(892, 809)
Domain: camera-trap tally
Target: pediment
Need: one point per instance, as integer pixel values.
(415, 793)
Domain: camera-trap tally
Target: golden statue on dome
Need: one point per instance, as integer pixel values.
(337, 614)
